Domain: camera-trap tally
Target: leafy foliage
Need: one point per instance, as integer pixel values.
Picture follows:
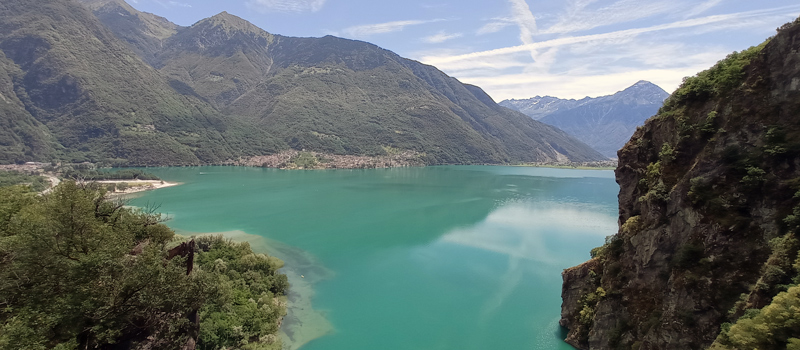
(36, 182)
(246, 312)
(67, 277)
(724, 76)
(119, 174)
(79, 271)
(776, 326)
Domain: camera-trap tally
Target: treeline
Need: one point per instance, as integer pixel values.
(97, 175)
(36, 182)
(78, 271)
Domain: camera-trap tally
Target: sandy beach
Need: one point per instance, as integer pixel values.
(134, 186)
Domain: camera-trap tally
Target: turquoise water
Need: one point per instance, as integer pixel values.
(457, 257)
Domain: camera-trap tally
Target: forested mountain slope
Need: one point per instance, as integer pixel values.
(339, 96)
(101, 101)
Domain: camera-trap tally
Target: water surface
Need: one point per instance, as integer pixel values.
(458, 257)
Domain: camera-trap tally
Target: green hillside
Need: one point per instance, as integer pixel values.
(101, 101)
(350, 97)
(99, 81)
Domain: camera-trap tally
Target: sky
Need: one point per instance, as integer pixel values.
(524, 48)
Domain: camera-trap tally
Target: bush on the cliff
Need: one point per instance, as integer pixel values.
(776, 326)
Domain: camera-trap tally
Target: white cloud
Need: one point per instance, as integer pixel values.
(168, 4)
(621, 34)
(441, 37)
(703, 7)
(598, 64)
(496, 25)
(578, 18)
(286, 5)
(366, 30)
(523, 17)
(577, 86)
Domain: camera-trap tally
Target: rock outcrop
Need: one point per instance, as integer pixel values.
(708, 210)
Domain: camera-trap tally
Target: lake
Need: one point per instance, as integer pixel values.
(449, 257)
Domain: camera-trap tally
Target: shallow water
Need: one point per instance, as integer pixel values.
(457, 257)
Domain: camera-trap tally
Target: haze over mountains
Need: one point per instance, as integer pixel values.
(605, 123)
(118, 85)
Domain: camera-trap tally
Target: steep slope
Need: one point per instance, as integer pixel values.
(343, 96)
(101, 102)
(349, 97)
(22, 137)
(144, 33)
(709, 213)
(605, 123)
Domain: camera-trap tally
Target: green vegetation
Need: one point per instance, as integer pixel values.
(37, 183)
(96, 175)
(78, 271)
(304, 160)
(722, 77)
(85, 96)
(776, 326)
(246, 310)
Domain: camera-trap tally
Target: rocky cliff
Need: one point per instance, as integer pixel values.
(709, 206)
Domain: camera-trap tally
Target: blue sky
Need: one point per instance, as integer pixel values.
(523, 48)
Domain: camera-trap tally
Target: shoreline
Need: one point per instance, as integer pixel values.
(564, 167)
(302, 323)
(599, 165)
(135, 186)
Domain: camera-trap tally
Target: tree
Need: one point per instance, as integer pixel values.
(68, 278)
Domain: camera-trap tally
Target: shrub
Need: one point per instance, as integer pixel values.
(688, 256)
(667, 154)
(776, 326)
(754, 177)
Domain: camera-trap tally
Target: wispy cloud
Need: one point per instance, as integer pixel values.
(168, 4)
(441, 37)
(579, 18)
(523, 17)
(702, 7)
(285, 5)
(496, 25)
(565, 41)
(598, 64)
(367, 30)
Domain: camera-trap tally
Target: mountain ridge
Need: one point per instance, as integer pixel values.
(281, 71)
(124, 87)
(605, 123)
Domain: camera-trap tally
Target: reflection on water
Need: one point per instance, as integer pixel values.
(521, 232)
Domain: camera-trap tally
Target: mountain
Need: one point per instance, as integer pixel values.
(539, 107)
(335, 95)
(604, 123)
(99, 100)
(144, 32)
(709, 206)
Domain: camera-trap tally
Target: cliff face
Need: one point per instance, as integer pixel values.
(707, 210)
